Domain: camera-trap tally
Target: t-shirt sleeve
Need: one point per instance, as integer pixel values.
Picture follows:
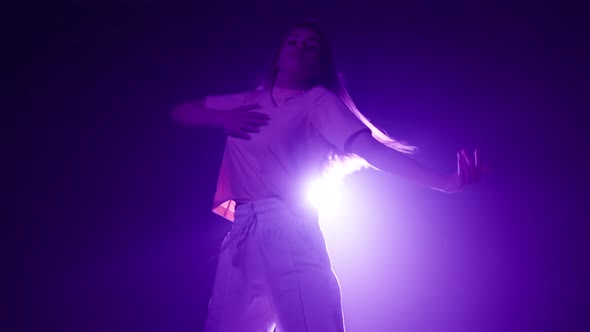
(334, 121)
(225, 102)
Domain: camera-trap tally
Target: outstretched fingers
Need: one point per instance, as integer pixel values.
(461, 169)
(468, 167)
(247, 108)
(238, 134)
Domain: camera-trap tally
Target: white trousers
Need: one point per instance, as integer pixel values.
(274, 270)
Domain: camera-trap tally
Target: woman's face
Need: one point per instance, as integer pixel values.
(300, 54)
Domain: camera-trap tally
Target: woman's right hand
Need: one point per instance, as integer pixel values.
(469, 171)
(241, 122)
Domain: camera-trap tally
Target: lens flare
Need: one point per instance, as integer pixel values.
(325, 193)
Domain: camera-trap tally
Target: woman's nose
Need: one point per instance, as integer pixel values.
(303, 47)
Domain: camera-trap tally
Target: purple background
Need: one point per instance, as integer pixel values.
(112, 229)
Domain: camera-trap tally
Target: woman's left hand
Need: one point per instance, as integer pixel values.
(469, 171)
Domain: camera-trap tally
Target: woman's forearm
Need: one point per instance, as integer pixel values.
(194, 114)
(397, 163)
(403, 165)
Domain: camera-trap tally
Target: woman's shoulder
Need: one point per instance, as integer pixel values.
(320, 92)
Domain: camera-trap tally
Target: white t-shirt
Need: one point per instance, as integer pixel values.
(286, 154)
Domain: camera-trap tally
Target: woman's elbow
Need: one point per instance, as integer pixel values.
(368, 148)
(178, 113)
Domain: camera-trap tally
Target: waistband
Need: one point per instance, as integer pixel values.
(245, 218)
(258, 206)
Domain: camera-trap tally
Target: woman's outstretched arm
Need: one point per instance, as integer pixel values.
(404, 166)
(194, 114)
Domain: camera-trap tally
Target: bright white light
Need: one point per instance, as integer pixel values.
(325, 192)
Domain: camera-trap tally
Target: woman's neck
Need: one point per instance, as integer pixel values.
(290, 82)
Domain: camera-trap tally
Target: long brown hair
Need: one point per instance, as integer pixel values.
(332, 80)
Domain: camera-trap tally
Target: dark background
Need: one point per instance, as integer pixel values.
(112, 229)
